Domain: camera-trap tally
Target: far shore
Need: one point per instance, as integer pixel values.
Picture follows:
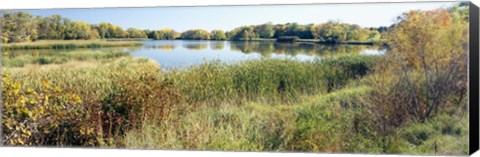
(124, 42)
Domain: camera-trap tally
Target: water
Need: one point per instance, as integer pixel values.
(182, 53)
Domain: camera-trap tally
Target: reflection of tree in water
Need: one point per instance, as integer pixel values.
(264, 48)
(313, 49)
(217, 45)
(329, 50)
(166, 47)
(195, 46)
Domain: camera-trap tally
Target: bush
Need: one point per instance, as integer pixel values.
(116, 93)
(134, 102)
(43, 116)
(288, 38)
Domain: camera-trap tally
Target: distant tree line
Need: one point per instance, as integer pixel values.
(24, 27)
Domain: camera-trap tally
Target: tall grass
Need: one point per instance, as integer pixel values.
(256, 105)
(59, 57)
(267, 80)
(335, 122)
(115, 93)
(67, 44)
(318, 123)
(96, 83)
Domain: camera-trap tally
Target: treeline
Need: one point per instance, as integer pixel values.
(331, 31)
(24, 27)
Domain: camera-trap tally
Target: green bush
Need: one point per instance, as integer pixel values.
(288, 38)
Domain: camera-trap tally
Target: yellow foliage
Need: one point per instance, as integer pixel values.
(31, 116)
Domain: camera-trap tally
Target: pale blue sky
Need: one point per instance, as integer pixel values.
(229, 17)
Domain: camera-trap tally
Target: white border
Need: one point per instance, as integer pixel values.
(45, 4)
(48, 4)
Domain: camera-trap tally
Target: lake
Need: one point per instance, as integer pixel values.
(181, 53)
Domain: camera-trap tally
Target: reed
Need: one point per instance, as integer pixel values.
(20, 60)
(267, 80)
(67, 44)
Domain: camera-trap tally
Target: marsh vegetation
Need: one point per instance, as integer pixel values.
(410, 99)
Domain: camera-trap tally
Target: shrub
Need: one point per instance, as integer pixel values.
(43, 116)
(288, 38)
(136, 101)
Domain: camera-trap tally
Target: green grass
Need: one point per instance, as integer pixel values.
(16, 59)
(315, 124)
(333, 122)
(267, 80)
(256, 105)
(67, 44)
(444, 134)
(100, 82)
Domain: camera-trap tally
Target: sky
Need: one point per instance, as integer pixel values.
(229, 17)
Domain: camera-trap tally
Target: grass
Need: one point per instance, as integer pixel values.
(317, 124)
(256, 105)
(267, 80)
(102, 84)
(16, 59)
(67, 44)
(444, 134)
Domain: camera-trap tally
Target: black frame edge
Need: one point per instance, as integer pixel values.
(473, 78)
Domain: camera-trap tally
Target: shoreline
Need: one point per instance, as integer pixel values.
(67, 44)
(72, 44)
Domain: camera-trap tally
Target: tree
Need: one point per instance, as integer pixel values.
(136, 33)
(53, 27)
(243, 33)
(265, 30)
(426, 68)
(331, 32)
(280, 30)
(118, 32)
(197, 34)
(374, 35)
(80, 30)
(165, 34)
(102, 29)
(218, 35)
(108, 30)
(18, 27)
